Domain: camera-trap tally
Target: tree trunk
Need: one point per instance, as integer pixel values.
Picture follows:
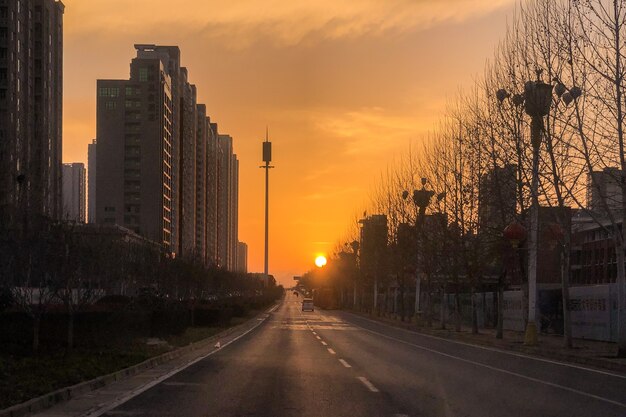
(36, 329)
(474, 312)
(70, 330)
(442, 307)
(457, 310)
(418, 284)
(565, 271)
(429, 303)
(621, 300)
(500, 322)
(375, 309)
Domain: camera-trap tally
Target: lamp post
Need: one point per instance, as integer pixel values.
(515, 233)
(421, 199)
(537, 100)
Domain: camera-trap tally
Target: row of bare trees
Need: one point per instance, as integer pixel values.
(577, 46)
(67, 267)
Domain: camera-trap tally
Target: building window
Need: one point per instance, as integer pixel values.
(109, 92)
(129, 91)
(110, 105)
(143, 74)
(109, 209)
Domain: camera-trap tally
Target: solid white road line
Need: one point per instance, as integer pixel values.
(368, 384)
(504, 371)
(146, 387)
(344, 363)
(332, 352)
(492, 349)
(324, 343)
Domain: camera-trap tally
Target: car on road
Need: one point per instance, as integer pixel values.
(307, 304)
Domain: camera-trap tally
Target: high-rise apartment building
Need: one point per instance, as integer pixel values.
(227, 200)
(31, 87)
(91, 182)
(212, 168)
(134, 174)
(604, 193)
(202, 135)
(74, 196)
(187, 188)
(242, 257)
(233, 225)
(162, 168)
(497, 199)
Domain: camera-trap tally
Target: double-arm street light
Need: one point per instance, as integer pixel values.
(421, 199)
(537, 101)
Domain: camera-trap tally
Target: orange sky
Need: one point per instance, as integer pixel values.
(345, 86)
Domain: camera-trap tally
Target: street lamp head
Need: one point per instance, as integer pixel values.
(502, 94)
(538, 98)
(560, 89)
(518, 99)
(575, 92)
(567, 98)
(422, 197)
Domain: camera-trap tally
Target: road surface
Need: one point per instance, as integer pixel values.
(329, 363)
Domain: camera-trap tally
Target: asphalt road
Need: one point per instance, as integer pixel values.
(338, 364)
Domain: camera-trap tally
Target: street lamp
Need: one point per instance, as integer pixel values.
(537, 100)
(421, 199)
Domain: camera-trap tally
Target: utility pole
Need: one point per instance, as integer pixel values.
(267, 158)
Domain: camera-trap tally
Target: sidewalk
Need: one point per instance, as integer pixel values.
(585, 352)
(95, 397)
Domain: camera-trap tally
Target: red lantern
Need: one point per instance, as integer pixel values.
(515, 233)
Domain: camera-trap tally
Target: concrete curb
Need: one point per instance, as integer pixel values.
(64, 394)
(600, 363)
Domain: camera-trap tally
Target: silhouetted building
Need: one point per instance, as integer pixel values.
(31, 88)
(497, 199)
(91, 181)
(233, 226)
(242, 257)
(227, 202)
(134, 175)
(604, 192)
(593, 259)
(162, 169)
(187, 183)
(74, 195)
(212, 169)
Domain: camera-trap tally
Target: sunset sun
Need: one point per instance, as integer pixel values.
(320, 261)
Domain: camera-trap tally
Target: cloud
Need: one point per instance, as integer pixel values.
(370, 130)
(287, 22)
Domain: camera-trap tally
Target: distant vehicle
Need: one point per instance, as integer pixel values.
(307, 304)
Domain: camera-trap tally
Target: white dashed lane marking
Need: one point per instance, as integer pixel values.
(344, 363)
(368, 384)
(324, 343)
(332, 352)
